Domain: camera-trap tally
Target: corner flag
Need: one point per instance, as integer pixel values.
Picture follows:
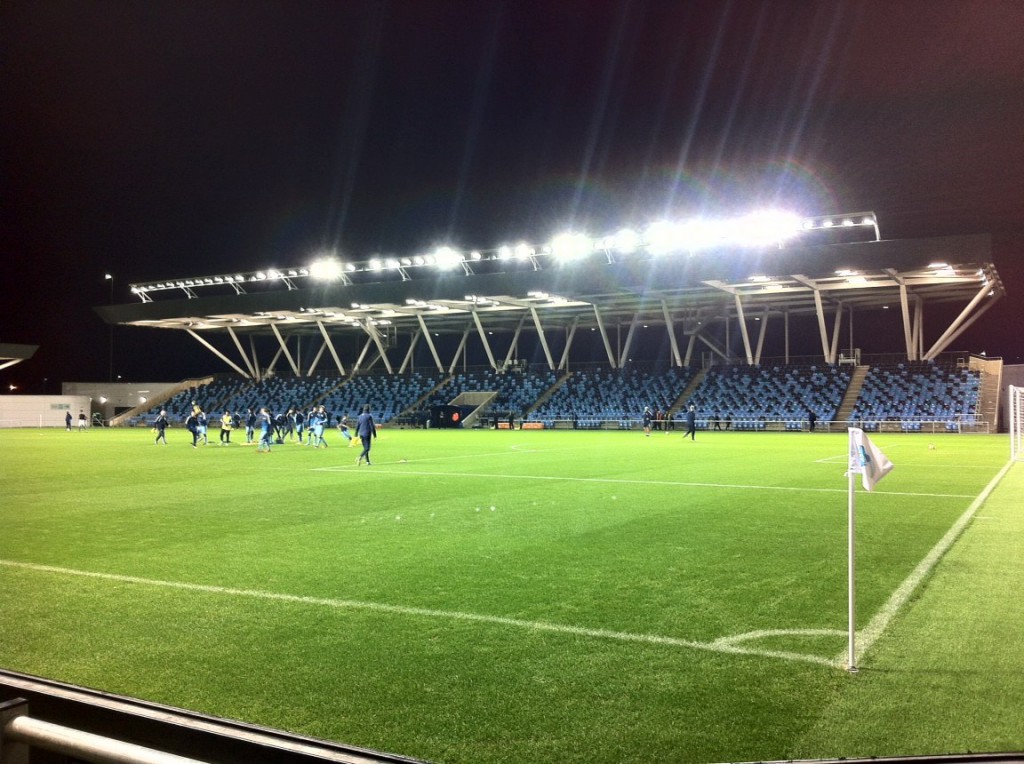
(866, 460)
(872, 465)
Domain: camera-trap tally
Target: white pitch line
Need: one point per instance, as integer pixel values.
(718, 646)
(867, 637)
(620, 481)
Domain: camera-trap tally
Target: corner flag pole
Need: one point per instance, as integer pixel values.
(872, 465)
(851, 664)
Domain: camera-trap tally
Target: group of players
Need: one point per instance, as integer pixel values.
(308, 428)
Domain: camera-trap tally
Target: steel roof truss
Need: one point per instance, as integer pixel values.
(604, 336)
(671, 332)
(330, 346)
(543, 339)
(368, 325)
(241, 352)
(284, 347)
(954, 329)
(217, 353)
(483, 338)
(564, 363)
(430, 342)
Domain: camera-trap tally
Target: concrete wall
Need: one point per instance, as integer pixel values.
(1012, 375)
(42, 410)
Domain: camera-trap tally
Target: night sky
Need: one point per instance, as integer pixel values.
(177, 138)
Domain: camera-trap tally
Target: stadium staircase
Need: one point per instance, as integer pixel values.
(158, 400)
(547, 394)
(852, 393)
(680, 402)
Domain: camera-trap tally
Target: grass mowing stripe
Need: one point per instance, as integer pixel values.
(625, 481)
(723, 645)
(877, 625)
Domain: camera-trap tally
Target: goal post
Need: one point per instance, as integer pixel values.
(1017, 423)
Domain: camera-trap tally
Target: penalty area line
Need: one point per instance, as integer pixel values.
(723, 646)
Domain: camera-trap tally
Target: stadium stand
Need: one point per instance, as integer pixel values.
(914, 392)
(750, 397)
(591, 399)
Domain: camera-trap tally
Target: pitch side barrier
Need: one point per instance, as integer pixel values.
(907, 425)
(63, 724)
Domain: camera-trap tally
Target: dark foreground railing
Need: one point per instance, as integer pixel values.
(60, 724)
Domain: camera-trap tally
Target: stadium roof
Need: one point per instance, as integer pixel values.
(695, 294)
(12, 354)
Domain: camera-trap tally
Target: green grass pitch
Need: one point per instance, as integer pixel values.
(498, 597)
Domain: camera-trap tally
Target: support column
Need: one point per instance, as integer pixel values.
(671, 333)
(957, 326)
(330, 347)
(483, 338)
(543, 339)
(217, 353)
(430, 342)
(564, 363)
(743, 329)
(604, 336)
(284, 347)
(241, 352)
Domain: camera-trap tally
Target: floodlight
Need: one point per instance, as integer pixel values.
(418, 260)
(406, 261)
(626, 241)
(474, 255)
(571, 246)
(446, 257)
(392, 263)
(374, 265)
(523, 251)
(325, 269)
(761, 228)
(662, 237)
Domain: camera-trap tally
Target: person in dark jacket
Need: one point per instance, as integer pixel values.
(366, 430)
(160, 425)
(691, 422)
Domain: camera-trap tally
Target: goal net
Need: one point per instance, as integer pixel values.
(1017, 423)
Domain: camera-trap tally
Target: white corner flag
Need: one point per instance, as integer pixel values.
(872, 465)
(866, 460)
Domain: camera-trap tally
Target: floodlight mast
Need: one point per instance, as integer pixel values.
(663, 238)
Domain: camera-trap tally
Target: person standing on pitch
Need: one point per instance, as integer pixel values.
(691, 422)
(366, 430)
(160, 425)
(266, 430)
(67, 420)
(647, 421)
(226, 423)
(250, 426)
